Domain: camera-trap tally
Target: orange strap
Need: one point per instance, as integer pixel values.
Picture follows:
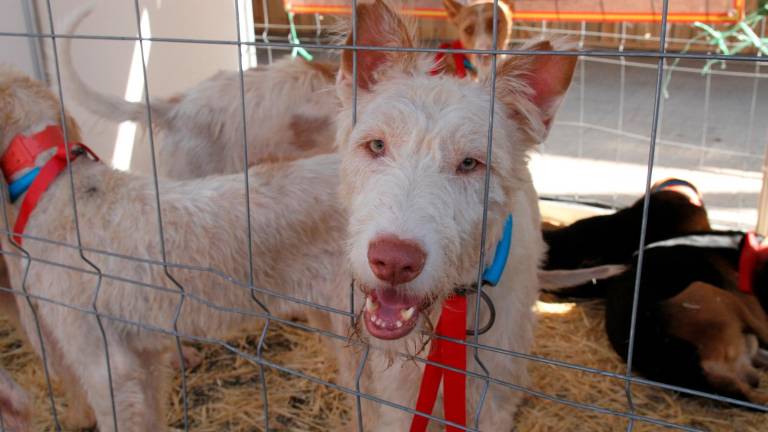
(24, 150)
(45, 177)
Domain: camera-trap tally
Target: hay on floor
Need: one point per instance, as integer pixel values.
(225, 393)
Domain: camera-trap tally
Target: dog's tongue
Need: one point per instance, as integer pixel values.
(390, 314)
(391, 302)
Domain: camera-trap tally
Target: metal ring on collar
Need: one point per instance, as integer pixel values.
(491, 309)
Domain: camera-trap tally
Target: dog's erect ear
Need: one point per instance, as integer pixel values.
(377, 25)
(453, 8)
(547, 77)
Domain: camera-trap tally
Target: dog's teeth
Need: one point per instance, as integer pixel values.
(373, 319)
(370, 305)
(407, 314)
(398, 324)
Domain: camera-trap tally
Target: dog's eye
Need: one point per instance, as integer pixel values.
(468, 165)
(376, 147)
(469, 30)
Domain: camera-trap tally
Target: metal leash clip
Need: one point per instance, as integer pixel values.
(472, 289)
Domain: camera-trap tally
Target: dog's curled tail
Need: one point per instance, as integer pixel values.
(106, 106)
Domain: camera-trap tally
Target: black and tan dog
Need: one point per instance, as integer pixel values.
(675, 208)
(701, 316)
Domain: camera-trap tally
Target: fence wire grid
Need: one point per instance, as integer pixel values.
(653, 59)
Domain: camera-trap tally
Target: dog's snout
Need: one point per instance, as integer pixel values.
(395, 260)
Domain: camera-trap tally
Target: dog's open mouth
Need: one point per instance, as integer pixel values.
(390, 314)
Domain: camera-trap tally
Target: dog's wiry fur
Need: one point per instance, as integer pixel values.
(15, 406)
(289, 110)
(413, 191)
(429, 125)
(204, 225)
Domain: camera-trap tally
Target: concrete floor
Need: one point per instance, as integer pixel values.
(599, 145)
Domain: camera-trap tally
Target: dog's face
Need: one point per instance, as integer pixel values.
(475, 26)
(27, 106)
(413, 169)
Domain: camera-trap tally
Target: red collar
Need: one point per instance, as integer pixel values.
(458, 59)
(754, 250)
(22, 154)
(23, 151)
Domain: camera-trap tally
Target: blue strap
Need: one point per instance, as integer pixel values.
(493, 272)
(21, 185)
(468, 64)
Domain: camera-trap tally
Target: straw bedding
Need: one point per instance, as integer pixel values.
(225, 394)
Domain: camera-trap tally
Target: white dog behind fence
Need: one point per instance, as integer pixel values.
(204, 224)
(411, 182)
(289, 112)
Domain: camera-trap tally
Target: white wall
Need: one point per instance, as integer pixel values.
(172, 67)
(18, 51)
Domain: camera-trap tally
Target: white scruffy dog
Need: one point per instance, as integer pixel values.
(409, 210)
(412, 181)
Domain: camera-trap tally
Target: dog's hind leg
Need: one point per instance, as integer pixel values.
(722, 377)
(754, 321)
(760, 358)
(84, 351)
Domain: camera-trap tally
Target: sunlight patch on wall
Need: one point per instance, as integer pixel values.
(134, 91)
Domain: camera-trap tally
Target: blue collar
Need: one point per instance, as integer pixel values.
(492, 273)
(20, 185)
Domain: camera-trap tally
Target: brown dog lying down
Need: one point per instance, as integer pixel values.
(601, 246)
(675, 209)
(696, 327)
(290, 107)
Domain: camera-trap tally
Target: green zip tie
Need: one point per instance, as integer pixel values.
(294, 39)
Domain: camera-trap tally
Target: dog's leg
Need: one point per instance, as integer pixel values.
(722, 377)
(395, 381)
(381, 379)
(158, 374)
(500, 405)
(15, 405)
(78, 414)
(85, 353)
(754, 322)
(760, 358)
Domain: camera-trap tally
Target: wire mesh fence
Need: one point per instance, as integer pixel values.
(266, 46)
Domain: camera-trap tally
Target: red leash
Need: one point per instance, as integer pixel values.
(753, 251)
(452, 324)
(21, 151)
